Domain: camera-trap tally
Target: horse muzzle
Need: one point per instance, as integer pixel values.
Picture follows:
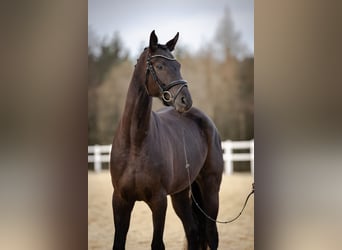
(183, 101)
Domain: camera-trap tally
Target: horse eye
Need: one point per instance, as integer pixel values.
(159, 66)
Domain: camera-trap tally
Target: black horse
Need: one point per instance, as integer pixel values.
(151, 150)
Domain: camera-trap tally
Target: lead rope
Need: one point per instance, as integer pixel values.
(187, 165)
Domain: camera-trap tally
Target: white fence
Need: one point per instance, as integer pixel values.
(229, 156)
(99, 154)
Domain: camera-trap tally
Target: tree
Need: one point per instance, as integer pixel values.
(102, 58)
(246, 96)
(228, 39)
(110, 55)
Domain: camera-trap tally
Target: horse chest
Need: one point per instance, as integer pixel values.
(135, 175)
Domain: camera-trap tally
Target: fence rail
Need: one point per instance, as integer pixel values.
(229, 156)
(99, 154)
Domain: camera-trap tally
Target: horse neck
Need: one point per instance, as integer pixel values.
(137, 112)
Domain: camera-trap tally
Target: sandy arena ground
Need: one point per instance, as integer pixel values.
(238, 235)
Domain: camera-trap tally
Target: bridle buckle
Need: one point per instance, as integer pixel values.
(167, 96)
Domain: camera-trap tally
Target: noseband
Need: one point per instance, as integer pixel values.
(165, 94)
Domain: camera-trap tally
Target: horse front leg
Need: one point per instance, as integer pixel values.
(122, 214)
(158, 207)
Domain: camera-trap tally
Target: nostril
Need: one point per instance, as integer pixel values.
(183, 100)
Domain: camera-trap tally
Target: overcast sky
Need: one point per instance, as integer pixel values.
(195, 20)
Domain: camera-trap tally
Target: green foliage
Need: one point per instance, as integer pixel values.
(111, 55)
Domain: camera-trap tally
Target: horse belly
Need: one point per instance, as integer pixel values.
(181, 175)
(193, 154)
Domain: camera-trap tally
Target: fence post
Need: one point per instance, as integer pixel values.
(97, 158)
(227, 157)
(252, 156)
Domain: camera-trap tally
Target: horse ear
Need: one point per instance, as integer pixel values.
(172, 43)
(153, 41)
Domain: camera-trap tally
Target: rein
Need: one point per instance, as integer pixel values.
(187, 165)
(165, 94)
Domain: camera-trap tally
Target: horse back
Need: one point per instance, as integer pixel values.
(193, 120)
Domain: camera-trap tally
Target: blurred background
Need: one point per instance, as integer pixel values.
(44, 87)
(215, 48)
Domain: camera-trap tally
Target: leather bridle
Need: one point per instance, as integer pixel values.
(165, 94)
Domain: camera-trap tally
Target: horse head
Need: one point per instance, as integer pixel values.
(163, 77)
